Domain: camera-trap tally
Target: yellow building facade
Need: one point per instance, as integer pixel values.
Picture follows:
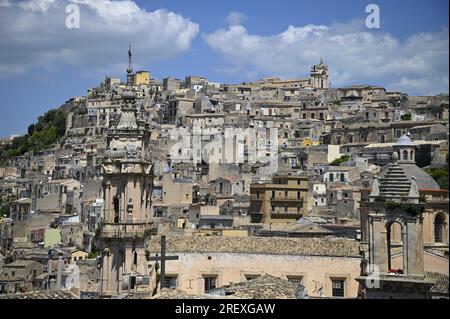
(282, 201)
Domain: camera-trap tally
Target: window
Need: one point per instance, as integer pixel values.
(250, 277)
(210, 283)
(438, 223)
(116, 208)
(342, 177)
(295, 279)
(337, 287)
(405, 155)
(170, 281)
(331, 177)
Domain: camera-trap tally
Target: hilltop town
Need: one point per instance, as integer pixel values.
(195, 189)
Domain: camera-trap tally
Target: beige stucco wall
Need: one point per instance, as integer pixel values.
(432, 263)
(77, 255)
(209, 210)
(176, 193)
(235, 233)
(333, 152)
(316, 271)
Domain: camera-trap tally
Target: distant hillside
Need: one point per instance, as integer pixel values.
(43, 134)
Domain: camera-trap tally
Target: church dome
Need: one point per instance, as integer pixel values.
(423, 179)
(404, 140)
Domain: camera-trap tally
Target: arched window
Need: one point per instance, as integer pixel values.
(438, 228)
(394, 236)
(411, 155)
(405, 155)
(135, 259)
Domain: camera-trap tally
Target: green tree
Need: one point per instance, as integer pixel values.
(406, 117)
(340, 160)
(440, 175)
(4, 209)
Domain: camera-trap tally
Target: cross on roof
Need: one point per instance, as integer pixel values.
(163, 259)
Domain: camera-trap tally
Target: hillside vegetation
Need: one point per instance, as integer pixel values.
(41, 135)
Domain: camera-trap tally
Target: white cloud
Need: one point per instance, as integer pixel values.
(4, 3)
(33, 35)
(235, 18)
(37, 5)
(355, 55)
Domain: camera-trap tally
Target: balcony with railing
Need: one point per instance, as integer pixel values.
(125, 230)
(285, 215)
(287, 201)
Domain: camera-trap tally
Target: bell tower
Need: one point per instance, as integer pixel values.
(319, 76)
(406, 150)
(127, 189)
(395, 268)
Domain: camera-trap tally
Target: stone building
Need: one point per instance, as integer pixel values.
(395, 200)
(19, 276)
(325, 267)
(282, 200)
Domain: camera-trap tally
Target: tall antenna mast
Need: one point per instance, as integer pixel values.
(130, 68)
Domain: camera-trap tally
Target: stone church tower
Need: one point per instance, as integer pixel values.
(395, 199)
(127, 189)
(319, 76)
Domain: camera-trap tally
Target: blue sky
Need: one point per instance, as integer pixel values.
(42, 63)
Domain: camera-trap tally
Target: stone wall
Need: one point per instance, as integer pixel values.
(316, 271)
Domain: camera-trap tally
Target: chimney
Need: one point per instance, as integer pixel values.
(49, 271)
(59, 271)
(52, 284)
